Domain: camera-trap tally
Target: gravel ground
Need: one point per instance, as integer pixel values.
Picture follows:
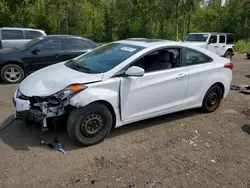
(186, 149)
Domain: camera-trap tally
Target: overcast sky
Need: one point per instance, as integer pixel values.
(223, 1)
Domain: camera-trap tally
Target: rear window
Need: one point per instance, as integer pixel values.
(12, 34)
(75, 44)
(32, 34)
(230, 39)
(222, 39)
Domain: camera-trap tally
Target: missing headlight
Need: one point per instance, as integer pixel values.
(53, 100)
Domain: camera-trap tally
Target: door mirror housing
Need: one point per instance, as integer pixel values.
(135, 71)
(35, 50)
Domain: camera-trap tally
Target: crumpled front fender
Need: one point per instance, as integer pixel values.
(108, 91)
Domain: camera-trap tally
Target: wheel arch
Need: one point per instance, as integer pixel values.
(111, 109)
(14, 62)
(221, 85)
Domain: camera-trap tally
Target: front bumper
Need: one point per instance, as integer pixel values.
(26, 109)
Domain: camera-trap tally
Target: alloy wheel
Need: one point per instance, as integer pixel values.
(12, 74)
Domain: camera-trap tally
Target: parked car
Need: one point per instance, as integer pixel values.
(123, 82)
(16, 64)
(248, 54)
(11, 37)
(221, 44)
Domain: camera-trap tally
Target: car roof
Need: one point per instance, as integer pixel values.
(215, 33)
(20, 28)
(144, 42)
(64, 36)
(147, 43)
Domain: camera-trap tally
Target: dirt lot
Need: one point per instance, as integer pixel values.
(186, 149)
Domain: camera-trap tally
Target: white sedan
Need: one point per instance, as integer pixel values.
(123, 82)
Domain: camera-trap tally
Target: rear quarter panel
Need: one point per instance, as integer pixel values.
(202, 77)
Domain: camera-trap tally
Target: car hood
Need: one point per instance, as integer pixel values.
(198, 44)
(54, 78)
(7, 51)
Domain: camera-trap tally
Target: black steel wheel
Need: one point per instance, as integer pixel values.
(212, 99)
(89, 125)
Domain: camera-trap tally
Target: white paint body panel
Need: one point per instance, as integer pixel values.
(136, 98)
(153, 93)
(54, 78)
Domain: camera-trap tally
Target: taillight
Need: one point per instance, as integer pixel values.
(229, 66)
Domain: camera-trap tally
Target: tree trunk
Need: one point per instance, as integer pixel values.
(184, 26)
(188, 24)
(177, 20)
(166, 28)
(67, 17)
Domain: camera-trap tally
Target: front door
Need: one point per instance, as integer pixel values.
(213, 44)
(157, 92)
(48, 53)
(222, 45)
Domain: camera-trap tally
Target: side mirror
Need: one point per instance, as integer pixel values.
(135, 71)
(35, 51)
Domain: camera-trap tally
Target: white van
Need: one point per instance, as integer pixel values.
(221, 44)
(11, 37)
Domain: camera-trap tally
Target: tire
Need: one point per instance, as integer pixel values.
(228, 55)
(89, 125)
(12, 73)
(212, 99)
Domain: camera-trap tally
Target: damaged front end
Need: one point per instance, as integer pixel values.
(39, 109)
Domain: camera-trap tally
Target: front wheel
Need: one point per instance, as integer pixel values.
(12, 74)
(212, 99)
(89, 125)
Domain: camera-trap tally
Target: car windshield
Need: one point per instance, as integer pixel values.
(197, 37)
(30, 43)
(104, 58)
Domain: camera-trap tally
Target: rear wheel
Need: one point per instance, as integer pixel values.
(228, 54)
(12, 73)
(212, 99)
(89, 125)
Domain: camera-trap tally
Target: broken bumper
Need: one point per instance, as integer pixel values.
(27, 109)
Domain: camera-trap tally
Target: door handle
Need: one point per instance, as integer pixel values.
(180, 76)
(5, 42)
(216, 46)
(57, 55)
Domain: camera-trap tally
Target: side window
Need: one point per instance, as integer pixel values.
(230, 39)
(12, 34)
(51, 44)
(222, 39)
(86, 45)
(192, 57)
(32, 34)
(213, 39)
(72, 44)
(159, 60)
